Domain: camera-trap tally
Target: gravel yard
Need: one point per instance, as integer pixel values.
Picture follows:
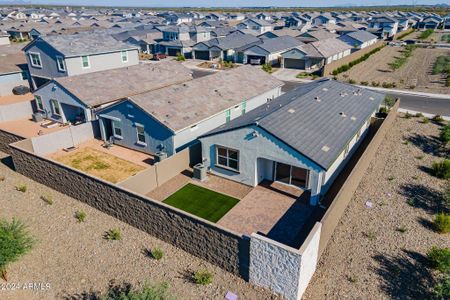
(378, 252)
(416, 71)
(76, 260)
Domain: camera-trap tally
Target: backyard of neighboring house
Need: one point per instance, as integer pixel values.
(78, 262)
(378, 249)
(417, 71)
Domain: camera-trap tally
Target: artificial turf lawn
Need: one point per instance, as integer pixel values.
(201, 202)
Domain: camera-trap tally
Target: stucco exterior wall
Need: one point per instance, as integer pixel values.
(15, 111)
(196, 236)
(101, 62)
(188, 135)
(4, 40)
(9, 81)
(48, 55)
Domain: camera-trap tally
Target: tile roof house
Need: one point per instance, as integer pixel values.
(59, 56)
(303, 138)
(171, 118)
(75, 98)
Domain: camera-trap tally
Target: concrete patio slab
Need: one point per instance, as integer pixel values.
(27, 128)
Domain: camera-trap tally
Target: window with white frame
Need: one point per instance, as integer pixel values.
(35, 59)
(124, 55)
(39, 104)
(227, 158)
(140, 134)
(60, 63)
(56, 109)
(117, 129)
(85, 62)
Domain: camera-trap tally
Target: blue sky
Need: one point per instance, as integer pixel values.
(232, 3)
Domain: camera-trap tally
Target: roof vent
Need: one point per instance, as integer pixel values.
(353, 118)
(291, 110)
(317, 98)
(372, 98)
(325, 148)
(342, 114)
(324, 89)
(357, 92)
(343, 94)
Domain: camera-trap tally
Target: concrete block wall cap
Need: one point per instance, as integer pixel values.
(275, 243)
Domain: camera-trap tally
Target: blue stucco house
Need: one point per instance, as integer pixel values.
(302, 139)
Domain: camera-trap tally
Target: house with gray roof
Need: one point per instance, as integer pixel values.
(180, 39)
(302, 139)
(257, 25)
(269, 50)
(170, 119)
(13, 69)
(61, 56)
(359, 39)
(75, 99)
(224, 48)
(383, 26)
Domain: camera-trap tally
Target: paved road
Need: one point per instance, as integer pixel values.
(433, 106)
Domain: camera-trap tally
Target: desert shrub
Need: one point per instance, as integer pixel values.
(442, 223)
(346, 67)
(444, 135)
(402, 229)
(383, 110)
(15, 241)
(80, 216)
(425, 120)
(203, 277)
(425, 34)
(21, 188)
(180, 57)
(375, 83)
(407, 115)
(157, 253)
(335, 72)
(148, 292)
(389, 101)
(441, 169)
(47, 199)
(267, 68)
(351, 81)
(439, 259)
(441, 65)
(438, 119)
(441, 290)
(114, 234)
(365, 83)
(419, 115)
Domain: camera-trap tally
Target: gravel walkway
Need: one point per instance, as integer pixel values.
(74, 258)
(369, 255)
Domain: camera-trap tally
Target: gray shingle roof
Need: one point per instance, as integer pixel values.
(86, 44)
(362, 36)
(232, 41)
(106, 86)
(182, 105)
(307, 125)
(279, 43)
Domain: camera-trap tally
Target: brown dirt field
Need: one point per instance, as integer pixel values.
(77, 261)
(369, 257)
(435, 37)
(417, 70)
(100, 164)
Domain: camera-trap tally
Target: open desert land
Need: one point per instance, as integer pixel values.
(379, 252)
(78, 262)
(416, 71)
(435, 37)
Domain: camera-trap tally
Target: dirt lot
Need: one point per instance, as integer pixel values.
(76, 260)
(417, 70)
(435, 37)
(369, 255)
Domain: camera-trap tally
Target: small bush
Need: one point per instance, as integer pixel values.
(441, 169)
(157, 253)
(180, 57)
(47, 199)
(114, 234)
(439, 259)
(438, 119)
(351, 81)
(370, 235)
(411, 202)
(442, 223)
(391, 178)
(15, 241)
(21, 188)
(389, 101)
(402, 229)
(148, 292)
(375, 84)
(267, 68)
(444, 135)
(442, 288)
(202, 277)
(419, 115)
(80, 216)
(352, 278)
(425, 34)
(407, 115)
(365, 83)
(425, 120)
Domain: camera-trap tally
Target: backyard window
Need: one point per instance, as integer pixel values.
(243, 107)
(24, 75)
(35, 59)
(117, 129)
(227, 158)
(124, 56)
(85, 61)
(39, 104)
(227, 115)
(55, 107)
(140, 134)
(60, 63)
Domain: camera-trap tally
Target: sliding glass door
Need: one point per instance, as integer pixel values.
(291, 175)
